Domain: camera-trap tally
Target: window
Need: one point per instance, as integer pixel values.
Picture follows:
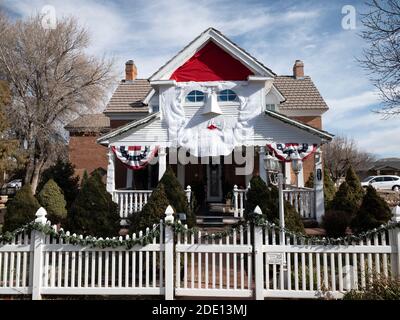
(195, 96)
(271, 106)
(378, 179)
(227, 95)
(388, 179)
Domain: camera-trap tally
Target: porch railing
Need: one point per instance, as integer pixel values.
(302, 199)
(239, 197)
(132, 201)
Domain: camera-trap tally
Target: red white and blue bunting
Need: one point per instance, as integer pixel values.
(135, 157)
(285, 151)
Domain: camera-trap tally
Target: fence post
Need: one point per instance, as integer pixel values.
(37, 240)
(395, 243)
(169, 254)
(258, 259)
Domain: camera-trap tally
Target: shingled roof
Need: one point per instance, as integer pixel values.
(89, 123)
(299, 93)
(129, 96)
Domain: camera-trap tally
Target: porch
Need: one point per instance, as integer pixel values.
(220, 193)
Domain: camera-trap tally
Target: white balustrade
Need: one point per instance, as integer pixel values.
(302, 200)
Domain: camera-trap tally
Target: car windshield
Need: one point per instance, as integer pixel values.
(367, 179)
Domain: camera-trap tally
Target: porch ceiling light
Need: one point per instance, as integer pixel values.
(271, 163)
(297, 163)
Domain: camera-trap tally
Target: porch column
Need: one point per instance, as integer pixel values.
(319, 186)
(300, 178)
(181, 174)
(162, 162)
(288, 177)
(261, 168)
(111, 171)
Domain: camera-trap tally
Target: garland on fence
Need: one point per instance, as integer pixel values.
(179, 228)
(90, 241)
(260, 221)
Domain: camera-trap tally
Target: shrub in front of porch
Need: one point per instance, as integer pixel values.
(52, 199)
(152, 212)
(335, 223)
(355, 185)
(63, 173)
(93, 212)
(373, 212)
(176, 196)
(21, 209)
(329, 187)
(267, 198)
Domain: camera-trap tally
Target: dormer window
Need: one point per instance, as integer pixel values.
(271, 107)
(195, 96)
(227, 95)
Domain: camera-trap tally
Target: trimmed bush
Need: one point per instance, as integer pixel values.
(63, 174)
(373, 212)
(344, 200)
(329, 187)
(93, 212)
(335, 223)
(176, 195)
(152, 212)
(310, 181)
(21, 209)
(355, 185)
(52, 199)
(267, 198)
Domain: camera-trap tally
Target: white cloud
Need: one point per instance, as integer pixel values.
(340, 108)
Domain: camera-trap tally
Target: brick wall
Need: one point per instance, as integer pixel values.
(86, 154)
(118, 123)
(314, 121)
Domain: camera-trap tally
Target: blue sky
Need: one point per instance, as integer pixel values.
(275, 32)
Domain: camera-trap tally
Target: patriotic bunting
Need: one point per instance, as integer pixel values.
(285, 151)
(135, 157)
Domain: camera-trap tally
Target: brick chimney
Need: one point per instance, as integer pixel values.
(298, 69)
(130, 70)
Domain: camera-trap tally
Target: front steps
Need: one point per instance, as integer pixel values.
(218, 215)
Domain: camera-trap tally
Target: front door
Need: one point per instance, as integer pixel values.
(214, 182)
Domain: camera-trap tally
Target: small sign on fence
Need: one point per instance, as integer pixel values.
(275, 258)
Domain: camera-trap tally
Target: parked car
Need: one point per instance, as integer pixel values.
(17, 184)
(382, 182)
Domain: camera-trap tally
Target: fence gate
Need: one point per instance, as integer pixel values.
(220, 267)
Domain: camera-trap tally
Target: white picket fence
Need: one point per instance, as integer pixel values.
(251, 261)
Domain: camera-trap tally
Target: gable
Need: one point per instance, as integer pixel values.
(228, 47)
(211, 63)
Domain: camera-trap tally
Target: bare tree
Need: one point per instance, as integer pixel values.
(343, 152)
(51, 79)
(382, 58)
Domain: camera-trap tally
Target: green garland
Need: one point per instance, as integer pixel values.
(179, 228)
(260, 221)
(90, 241)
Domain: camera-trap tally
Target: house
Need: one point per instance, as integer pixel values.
(385, 166)
(215, 114)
